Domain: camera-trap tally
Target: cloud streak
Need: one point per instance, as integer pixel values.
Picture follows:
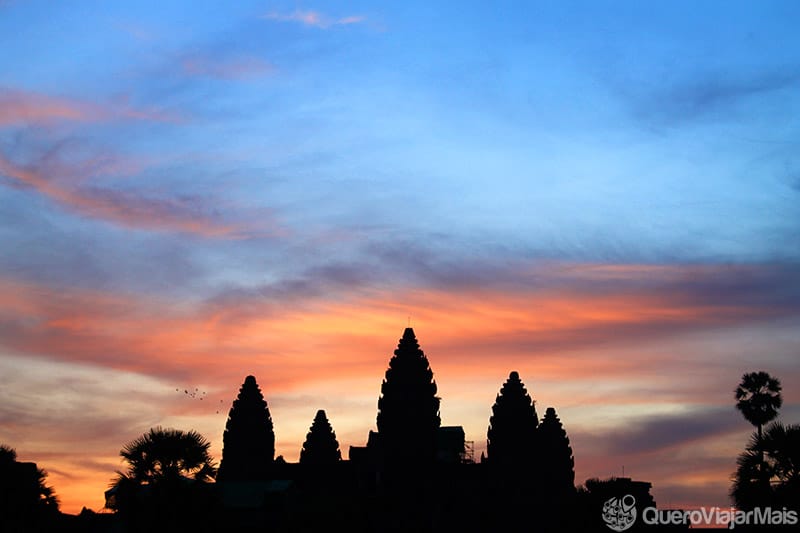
(238, 68)
(315, 19)
(127, 209)
(657, 433)
(25, 107)
(710, 95)
(103, 328)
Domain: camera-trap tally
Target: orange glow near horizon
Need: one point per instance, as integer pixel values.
(575, 349)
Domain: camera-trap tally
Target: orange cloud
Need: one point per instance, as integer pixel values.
(595, 355)
(465, 327)
(302, 341)
(22, 107)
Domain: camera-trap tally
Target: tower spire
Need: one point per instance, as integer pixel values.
(408, 408)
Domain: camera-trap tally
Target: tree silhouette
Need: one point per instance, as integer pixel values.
(758, 397)
(768, 472)
(166, 455)
(169, 454)
(408, 409)
(321, 447)
(165, 479)
(512, 426)
(592, 498)
(248, 444)
(26, 502)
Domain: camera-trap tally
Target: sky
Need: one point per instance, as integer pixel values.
(602, 196)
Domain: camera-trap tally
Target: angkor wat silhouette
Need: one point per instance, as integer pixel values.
(413, 474)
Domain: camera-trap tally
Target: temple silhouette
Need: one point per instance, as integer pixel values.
(412, 473)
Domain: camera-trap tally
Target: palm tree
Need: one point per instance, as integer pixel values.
(166, 472)
(26, 502)
(168, 454)
(768, 472)
(758, 397)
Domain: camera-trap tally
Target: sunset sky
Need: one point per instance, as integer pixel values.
(602, 196)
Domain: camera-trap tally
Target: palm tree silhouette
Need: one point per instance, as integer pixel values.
(758, 397)
(26, 502)
(773, 480)
(164, 454)
(163, 460)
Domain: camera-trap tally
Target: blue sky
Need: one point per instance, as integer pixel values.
(581, 181)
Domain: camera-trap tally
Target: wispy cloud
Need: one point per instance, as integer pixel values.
(236, 326)
(136, 31)
(129, 209)
(24, 107)
(707, 95)
(659, 432)
(315, 18)
(238, 68)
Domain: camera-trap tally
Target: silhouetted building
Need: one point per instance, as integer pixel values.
(321, 447)
(618, 502)
(512, 427)
(413, 474)
(450, 445)
(248, 444)
(557, 466)
(408, 409)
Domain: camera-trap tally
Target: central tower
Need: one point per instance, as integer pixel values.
(408, 408)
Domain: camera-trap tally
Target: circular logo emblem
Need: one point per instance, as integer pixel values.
(619, 513)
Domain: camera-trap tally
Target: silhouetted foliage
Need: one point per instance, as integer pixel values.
(321, 447)
(758, 397)
(26, 502)
(248, 444)
(166, 454)
(596, 494)
(512, 426)
(165, 482)
(8, 455)
(408, 409)
(773, 480)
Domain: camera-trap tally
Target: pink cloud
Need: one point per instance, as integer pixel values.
(126, 209)
(24, 107)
